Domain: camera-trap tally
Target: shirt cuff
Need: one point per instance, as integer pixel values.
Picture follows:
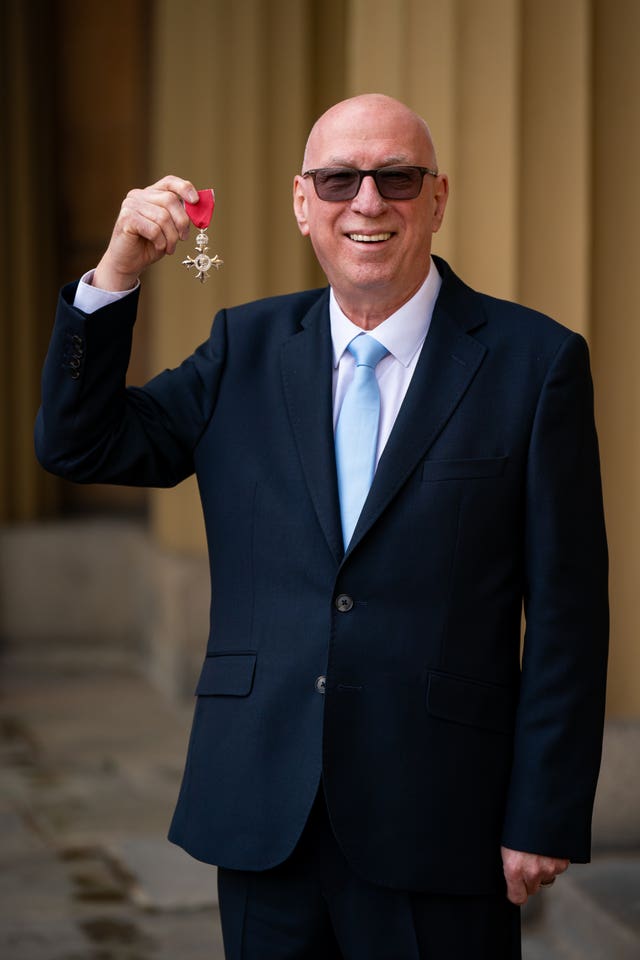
(89, 299)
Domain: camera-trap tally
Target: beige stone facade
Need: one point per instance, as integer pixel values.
(533, 105)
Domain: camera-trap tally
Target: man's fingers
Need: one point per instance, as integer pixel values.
(183, 188)
(161, 206)
(525, 873)
(516, 890)
(161, 223)
(150, 223)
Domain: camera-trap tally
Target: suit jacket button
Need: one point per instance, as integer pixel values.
(344, 603)
(321, 684)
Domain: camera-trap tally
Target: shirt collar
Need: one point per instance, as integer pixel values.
(402, 333)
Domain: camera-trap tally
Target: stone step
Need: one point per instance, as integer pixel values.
(592, 913)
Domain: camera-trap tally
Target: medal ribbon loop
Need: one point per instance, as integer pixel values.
(200, 213)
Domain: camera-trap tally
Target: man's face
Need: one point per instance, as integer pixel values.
(371, 249)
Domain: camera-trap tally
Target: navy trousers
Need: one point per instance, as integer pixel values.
(314, 907)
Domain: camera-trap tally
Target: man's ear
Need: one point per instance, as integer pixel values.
(300, 204)
(441, 195)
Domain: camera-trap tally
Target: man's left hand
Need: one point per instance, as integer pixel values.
(525, 873)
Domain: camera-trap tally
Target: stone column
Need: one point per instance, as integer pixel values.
(231, 109)
(27, 250)
(615, 209)
(555, 160)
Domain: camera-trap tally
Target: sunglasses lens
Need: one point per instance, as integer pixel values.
(399, 183)
(336, 184)
(393, 183)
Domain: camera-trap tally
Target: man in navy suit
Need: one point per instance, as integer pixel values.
(373, 768)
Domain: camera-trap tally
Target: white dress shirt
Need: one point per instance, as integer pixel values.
(403, 334)
(89, 299)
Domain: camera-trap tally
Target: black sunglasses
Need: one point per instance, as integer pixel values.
(393, 183)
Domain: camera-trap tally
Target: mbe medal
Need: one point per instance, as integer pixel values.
(200, 214)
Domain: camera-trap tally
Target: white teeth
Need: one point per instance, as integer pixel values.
(369, 238)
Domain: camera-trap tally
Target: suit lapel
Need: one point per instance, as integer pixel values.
(448, 363)
(307, 364)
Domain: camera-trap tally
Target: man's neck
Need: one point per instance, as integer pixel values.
(370, 310)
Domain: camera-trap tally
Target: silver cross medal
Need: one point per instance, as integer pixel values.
(202, 261)
(200, 214)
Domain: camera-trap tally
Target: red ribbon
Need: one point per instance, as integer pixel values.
(200, 213)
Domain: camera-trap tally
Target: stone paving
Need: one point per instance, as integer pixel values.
(90, 766)
(90, 762)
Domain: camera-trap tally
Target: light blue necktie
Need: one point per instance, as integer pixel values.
(357, 432)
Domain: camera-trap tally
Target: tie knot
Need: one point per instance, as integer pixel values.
(367, 351)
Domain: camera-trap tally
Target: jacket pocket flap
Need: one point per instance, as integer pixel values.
(228, 674)
(463, 469)
(470, 702)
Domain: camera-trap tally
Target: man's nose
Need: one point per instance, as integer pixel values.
(368, 199)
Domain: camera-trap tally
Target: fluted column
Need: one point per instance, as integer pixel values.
(27, 250)
(232, 102)
(555, 161)
(615, 203)
(456, 63)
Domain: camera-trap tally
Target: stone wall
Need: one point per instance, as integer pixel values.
(102, 591)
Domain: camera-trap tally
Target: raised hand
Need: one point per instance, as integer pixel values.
(149, 225)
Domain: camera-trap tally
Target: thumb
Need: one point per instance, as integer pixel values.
(514, 875)
(516, 889)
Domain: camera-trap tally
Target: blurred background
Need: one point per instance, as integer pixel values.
(533, 106)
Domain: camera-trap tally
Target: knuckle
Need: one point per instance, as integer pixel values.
(164, 220)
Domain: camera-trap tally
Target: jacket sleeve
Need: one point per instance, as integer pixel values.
(560, 714)
(92, 428)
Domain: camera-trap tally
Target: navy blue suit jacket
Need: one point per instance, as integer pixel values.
(434, 745)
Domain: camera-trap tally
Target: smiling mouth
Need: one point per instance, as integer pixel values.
(369, 237)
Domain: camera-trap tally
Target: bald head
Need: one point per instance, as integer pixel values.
(371, 114)
(374, 248)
